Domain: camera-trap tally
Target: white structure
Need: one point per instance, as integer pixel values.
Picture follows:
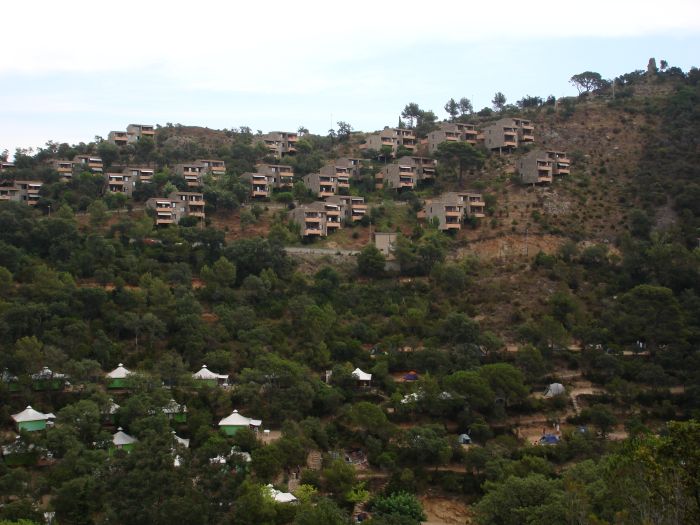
(119, 373)
(361, 376)
(123, 440)
(279, 496)
(30, 419)
(555, 389)
(239, 420)
(207, 375)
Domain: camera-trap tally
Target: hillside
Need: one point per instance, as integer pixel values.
(535, 364)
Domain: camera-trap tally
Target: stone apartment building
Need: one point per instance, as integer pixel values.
(391, 137)
(540, 166)
(140, 173)
(424, 166)
(26, 191)
(322, 185)
(450, 209)
(119, 138)
(281, 176)
(123, 182)
(192, 172)
(90, 163)
(169, 210)
(341, 174)
(352, 208)
(452, 132)
(64, 169)
(260, 184)
(535, 168)
(311, 218)
(508, 133)
(279, 143)
(214, 167)
(138, 131)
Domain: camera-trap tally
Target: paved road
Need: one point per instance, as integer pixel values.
(291, 250)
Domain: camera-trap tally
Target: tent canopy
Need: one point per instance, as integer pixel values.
(205, 373)
(361, 376)
(119, 373)
(29, 414)
(239, 420)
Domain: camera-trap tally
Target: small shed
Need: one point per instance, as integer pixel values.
(122, 440)
(209, 378)
(233, 423)
(555, 389)
(363, 378)
(117, 377)
(464, 439)
(175, 411)
(46, 379)
(32, 420)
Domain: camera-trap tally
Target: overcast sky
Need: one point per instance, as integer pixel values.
(75, 69)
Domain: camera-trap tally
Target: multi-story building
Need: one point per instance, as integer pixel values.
(353, 208)
(169, 210)
(192, 173)
(321, 185)
(260, 184)
(424, 166)
(9, 193)
(508, 133)
(120, 138)
(452, 208)
(391, 137)
(502, 134)
(448, 209)
(29, 191)
(452, 132)
(141, 174)
(474, 204)
(64, 169)
(341, 174)
(353, 165)
(121, 183)
(526, 131)
(399, 176)
(282, 176)
(89, 163)
(561, 164)
(5, 165)
(311, 218)
(280, 143)
(215, 168)
(334, 216)
(535, 168)
(138, 131)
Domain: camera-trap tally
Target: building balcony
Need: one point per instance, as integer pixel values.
(260, 193)
(527, 138)
(199, 214)
(544, 178)
(312, 219)
(165, 221)
(333, 225)
(309, 232)
(453, 213)
(452, 226)
(510, 144)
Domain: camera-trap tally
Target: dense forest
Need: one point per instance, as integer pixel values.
(458, 363)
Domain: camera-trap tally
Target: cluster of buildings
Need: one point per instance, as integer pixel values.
(279, 143)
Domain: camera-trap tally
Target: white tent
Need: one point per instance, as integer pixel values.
(119, 373)
(555, 389)
(29, 414)
(238, 420)
(279, 496)
(121, 438)
(361, 376)
(205, 373)
(112, 408)
(181, 441)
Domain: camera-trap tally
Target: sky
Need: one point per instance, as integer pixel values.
(75, 69)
